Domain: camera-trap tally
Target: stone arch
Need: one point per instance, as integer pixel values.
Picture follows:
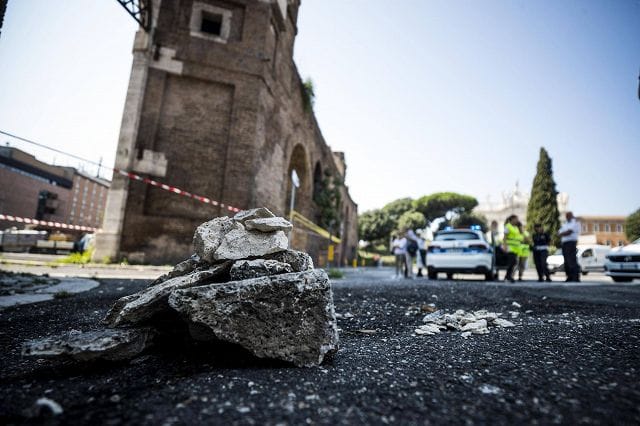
(299, 161)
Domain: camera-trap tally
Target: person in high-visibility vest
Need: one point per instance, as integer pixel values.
(525, 249)
(511, 245)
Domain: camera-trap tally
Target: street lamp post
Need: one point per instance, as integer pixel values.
(295, 183)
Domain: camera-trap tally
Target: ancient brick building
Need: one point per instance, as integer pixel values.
(216, 106)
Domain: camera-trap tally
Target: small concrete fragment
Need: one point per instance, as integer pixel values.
(269, 224)
(246, 269)
(209, 235)
(259, 213)
(428, 329)
(298, 260)
(140, 307)
(183, 268)
(288, 317)
(478, 327)
(499, 322)
(242, 244)
(108, 344)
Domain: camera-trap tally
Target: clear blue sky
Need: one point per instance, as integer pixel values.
(422, 96)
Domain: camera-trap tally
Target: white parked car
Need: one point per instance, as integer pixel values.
(590, 258)
(623, 263)
(463, 251)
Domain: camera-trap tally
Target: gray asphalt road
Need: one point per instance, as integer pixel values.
(573, 357)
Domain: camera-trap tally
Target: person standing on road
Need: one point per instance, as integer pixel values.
(541, 241)
(569, 233)
(498, 255)
(410, 252)
(523, 253)
(398, 249)
(422, 254)
(511, 245)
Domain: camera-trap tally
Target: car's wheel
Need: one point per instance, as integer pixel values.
(449, 276)
(622, 279)
(585, 272)
(433, 275)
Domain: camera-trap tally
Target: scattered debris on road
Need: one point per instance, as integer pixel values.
(468, 323)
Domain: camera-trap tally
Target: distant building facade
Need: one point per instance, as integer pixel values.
(216, 107)
(514, 202)
(606, 230)
(37, 190)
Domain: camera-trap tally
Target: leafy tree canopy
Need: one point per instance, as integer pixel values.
(437, 205)
(467, 219)
(397, 208)
(411, 220)
(375, 225)
(632, 226)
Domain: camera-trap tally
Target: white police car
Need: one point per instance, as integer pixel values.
(623, 263)
(464, 251)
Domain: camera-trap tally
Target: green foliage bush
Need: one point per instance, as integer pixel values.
(632, 226)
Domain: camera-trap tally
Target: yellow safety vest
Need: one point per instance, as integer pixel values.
(513, 239)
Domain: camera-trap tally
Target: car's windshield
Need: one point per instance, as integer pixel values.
(636, 241)
(456, 236)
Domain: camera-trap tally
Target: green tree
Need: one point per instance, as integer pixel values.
(467, 219)
(329, 200)
(398, 207)
(411, 220)
(437, 205)
(632, 226)
(543, 204)
(308, 94)
(375, 226)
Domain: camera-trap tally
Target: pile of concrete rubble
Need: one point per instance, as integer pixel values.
(241, 286)
(468, 323)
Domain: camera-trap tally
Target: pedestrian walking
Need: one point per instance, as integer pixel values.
(421, 259)
(523, 253)
(541, 241)
(511, 245)
(398, 246)
(569, 233)
(493, 237)
(410, 252)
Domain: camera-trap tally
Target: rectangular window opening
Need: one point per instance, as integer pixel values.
(211, 23)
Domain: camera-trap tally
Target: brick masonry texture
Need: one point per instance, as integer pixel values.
(229, 116)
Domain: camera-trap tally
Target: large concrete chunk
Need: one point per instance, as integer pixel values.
(259, 213)
(241, 244)
(209, 236)
(298, 260)
(108, 344)
(288, 317)
(245, 269)
(269, 224)
(140, 307)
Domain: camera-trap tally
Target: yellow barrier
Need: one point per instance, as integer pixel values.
(313, 227)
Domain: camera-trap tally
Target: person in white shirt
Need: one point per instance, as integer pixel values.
(569, 233)
(398, 248)
(411, 251)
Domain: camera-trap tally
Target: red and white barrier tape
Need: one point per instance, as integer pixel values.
(175, 190)
(46, 223)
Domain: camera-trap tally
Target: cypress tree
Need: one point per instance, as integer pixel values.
(543, 204)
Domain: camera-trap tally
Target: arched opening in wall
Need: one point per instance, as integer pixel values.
(317, 181)
(298, 162)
